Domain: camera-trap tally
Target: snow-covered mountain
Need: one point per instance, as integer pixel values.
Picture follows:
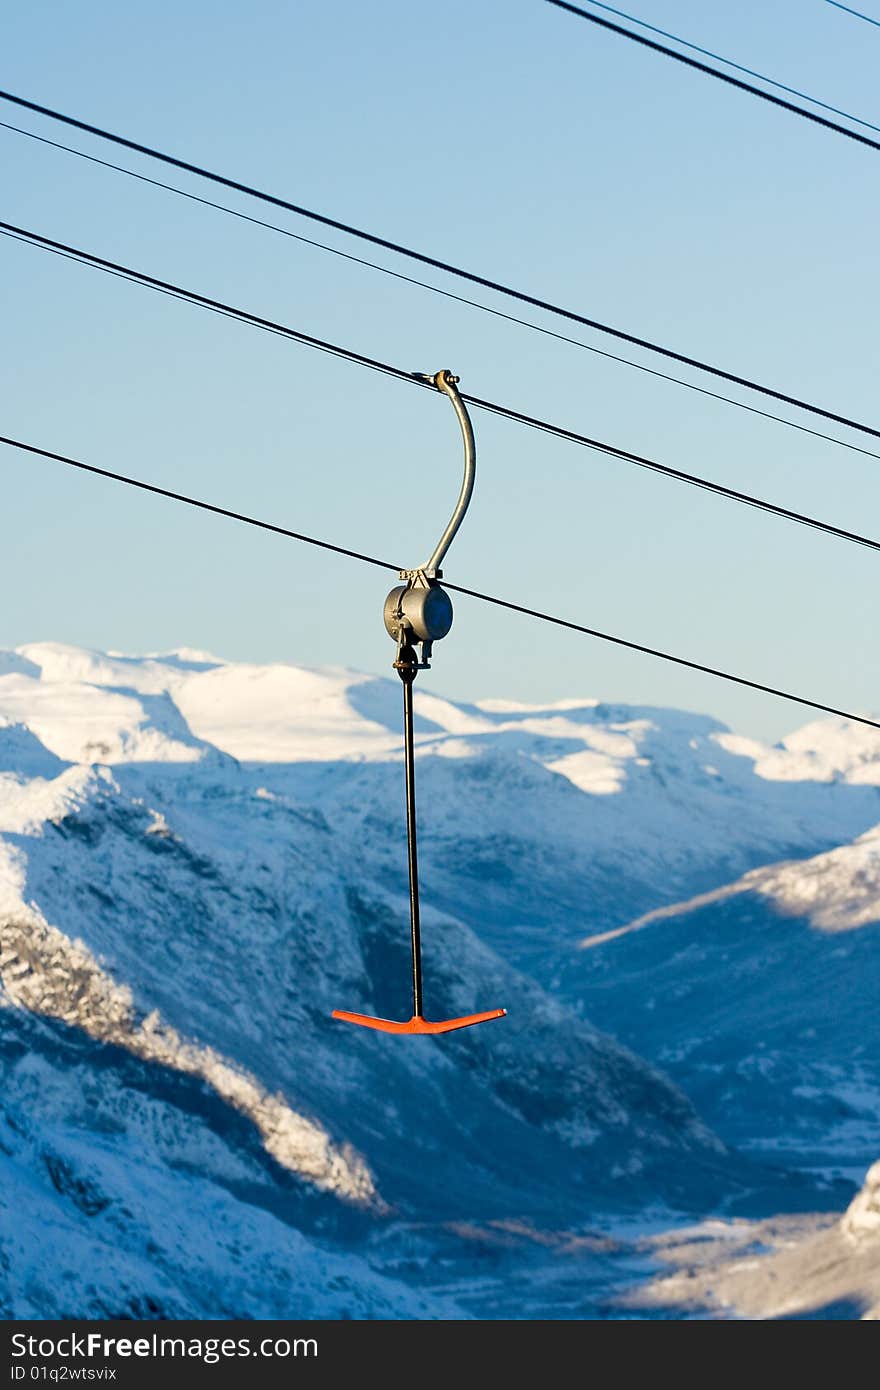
(199, 860)
(760, 998)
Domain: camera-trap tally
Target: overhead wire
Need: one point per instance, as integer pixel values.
(715, 72)
(477, 594)
(165, 287)
(707, 52)
(447, 267)
(445, 294)
(858, 14)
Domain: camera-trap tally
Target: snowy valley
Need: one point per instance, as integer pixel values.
(200, 859)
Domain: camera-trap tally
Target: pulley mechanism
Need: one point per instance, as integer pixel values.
(418, 613)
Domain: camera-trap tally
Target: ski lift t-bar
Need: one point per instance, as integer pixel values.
(419, 611)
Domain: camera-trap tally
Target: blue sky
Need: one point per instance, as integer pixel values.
(529, 146)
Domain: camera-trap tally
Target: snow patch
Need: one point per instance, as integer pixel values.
(591, 772)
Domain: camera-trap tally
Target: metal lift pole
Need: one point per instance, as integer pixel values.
(406, 668)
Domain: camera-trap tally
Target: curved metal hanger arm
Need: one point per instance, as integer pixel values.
(447, 383)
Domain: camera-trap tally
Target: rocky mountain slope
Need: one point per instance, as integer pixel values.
(760, 998)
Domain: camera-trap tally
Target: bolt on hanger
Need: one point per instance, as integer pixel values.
(419, 612)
